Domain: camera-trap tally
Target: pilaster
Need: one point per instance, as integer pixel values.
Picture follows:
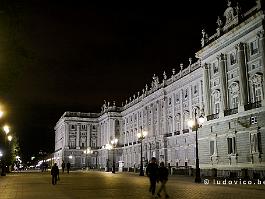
(222, 67)
(242, 77)
(262, 52)
(77, 136)
(66, 140)
(206, 92)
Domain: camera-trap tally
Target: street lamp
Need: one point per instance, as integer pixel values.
(196, 124)
(87, 151)
(114, 143)
(141, 136)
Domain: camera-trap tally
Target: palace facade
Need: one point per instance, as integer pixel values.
(225, 85)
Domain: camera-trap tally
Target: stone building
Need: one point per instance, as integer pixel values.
(225, 85)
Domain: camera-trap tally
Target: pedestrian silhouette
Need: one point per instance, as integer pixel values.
(68, 165)
(152, 173)
(54, 173)
(63, 166)
(163, 178)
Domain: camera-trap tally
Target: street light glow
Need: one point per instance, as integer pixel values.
(9, 138)
(1, 114)
(201, 120)
(191, 123)
(6, 129)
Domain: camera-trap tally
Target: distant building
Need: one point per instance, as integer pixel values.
(226, 85)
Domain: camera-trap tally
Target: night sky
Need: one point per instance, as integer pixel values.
(58, 56)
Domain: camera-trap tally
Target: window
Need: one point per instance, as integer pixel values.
(169, 101)
(215, 68)
(195, 89)
(216, 107)
(231, 143)
(216, 101)
(254, 47)
(253, 120)
(235, 102)
(72, 127)
(232, 58)
(255, 142)
(83, 127)
(186, 93)
(72, 143)
(258, 92)
(212, 147)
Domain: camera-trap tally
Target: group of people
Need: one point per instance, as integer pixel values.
(157, 174)
(55, 171)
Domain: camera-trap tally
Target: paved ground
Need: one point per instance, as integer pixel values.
(102, 185)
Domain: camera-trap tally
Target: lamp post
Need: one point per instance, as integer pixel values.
(196, 124)
(96, 153)
(141, 136)
(6, 130)
(108, 147)
(87, 151)
(114, 144)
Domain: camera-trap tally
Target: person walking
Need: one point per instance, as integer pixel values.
(152, 173)
(63, 166)
(54, 173)
(68, 165)
(163, 178)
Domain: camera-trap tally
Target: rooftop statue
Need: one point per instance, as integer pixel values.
(229, 13)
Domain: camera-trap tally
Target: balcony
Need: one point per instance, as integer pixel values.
(213, 116)
(230, 111)
(168, 135)
(252, 105)
(185, 131)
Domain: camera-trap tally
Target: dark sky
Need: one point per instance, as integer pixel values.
(58, 56)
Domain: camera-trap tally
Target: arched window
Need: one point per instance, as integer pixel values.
(256, 81)
(216, 98)
(234, 95)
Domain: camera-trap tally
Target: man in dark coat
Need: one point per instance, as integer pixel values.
(63, 166)
(162, 177)
(54, 173)
(152, 173)
(68, 165)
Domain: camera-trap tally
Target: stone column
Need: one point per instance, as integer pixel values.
(262, 52)
(190, 101)
(125, 131)
(200, 90)
(222, 67)
(158, 117)
(77, 136)
(173, 114)
(165, 116)
(181, 110)
(206, 86)
(242, 77)
(88, 144)
(66, 138)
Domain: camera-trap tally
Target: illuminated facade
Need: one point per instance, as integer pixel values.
(225, 84)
